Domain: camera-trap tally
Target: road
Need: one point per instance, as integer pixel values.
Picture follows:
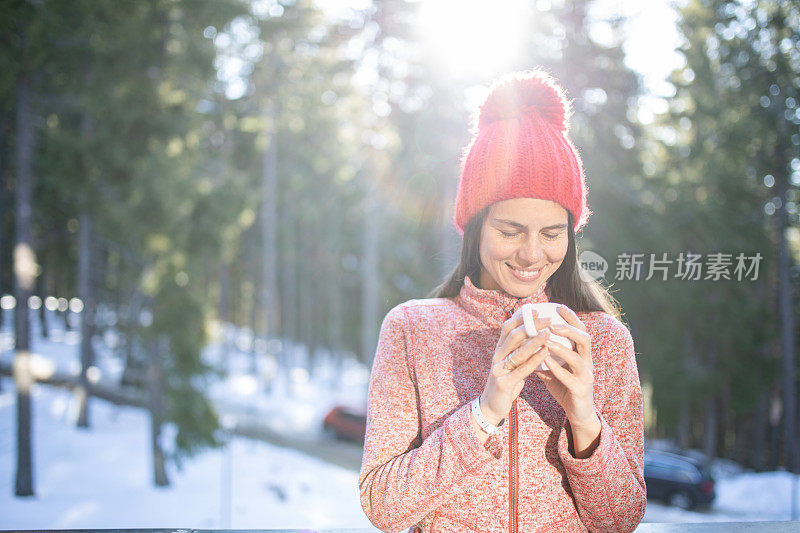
(344, 454)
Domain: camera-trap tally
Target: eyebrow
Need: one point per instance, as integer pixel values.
(523, 226)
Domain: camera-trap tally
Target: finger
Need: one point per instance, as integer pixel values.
(582, 340)
(530, 346)
(567, 330)
(505, 331)
(532, 363)
(512, 341)
(576, 363)
(545, 375)
(571, 318)
(508, 326)
(560, 373)
(525, 350)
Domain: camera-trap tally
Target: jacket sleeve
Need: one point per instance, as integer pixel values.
(404, 478)
(608, 486)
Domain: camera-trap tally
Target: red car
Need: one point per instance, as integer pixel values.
(346, 423)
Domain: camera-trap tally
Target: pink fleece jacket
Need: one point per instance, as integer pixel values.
(423, 466)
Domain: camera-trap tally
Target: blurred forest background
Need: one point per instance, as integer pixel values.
(270, 164)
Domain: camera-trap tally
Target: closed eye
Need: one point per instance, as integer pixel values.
(509, 235)
(551, 236)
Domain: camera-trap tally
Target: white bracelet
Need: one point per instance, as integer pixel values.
(484, 424)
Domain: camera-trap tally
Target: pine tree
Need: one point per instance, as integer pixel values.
(120, 145)
(716, 150)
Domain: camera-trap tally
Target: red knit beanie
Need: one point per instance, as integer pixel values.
(521, 150)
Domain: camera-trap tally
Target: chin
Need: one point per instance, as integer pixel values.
(521, 290)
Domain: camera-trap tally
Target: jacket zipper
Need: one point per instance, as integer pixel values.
(512, 443)
(514, 470)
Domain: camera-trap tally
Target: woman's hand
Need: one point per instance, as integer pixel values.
(572, 386)
(515, 358)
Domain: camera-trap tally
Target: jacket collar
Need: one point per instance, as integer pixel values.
(493, 307)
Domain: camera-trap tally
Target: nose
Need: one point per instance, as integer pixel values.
(531, 251)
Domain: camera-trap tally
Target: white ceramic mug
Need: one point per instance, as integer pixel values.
(546, 310)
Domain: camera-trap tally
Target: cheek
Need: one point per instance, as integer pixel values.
(496, 250)
(556, 252)
(490, 248)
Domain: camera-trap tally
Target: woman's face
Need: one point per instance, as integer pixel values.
(523, 242)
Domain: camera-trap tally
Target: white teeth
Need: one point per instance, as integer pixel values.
(527, 273)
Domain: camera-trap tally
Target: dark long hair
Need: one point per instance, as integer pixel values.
(565, 286)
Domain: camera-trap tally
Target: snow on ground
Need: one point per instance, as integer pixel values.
(101, 478)
(294, 402)
(758, 496)
(741, 495)
(250, 390)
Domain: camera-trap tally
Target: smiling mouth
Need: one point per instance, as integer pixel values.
(526, 274)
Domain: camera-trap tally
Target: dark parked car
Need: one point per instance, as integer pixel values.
(346, 423)
(677, 479)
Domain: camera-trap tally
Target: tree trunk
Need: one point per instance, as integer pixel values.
(305, 288)
(760, 428)
(787, 338)
(741, 430)
(685, 420)
(269, 225)
(3, 208)
(133, 372)
(42, 289)
(710, 429)
(336, 299)
(684, 423)
(156, 405)
(224, 314)
(785, 297)
(254, 305)
(370, 276)
(63, 313)
(24, 279)
(775, 417)
(724, 426)
(288, 293)
(86, 295)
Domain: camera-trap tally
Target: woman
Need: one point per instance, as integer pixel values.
(464, 432)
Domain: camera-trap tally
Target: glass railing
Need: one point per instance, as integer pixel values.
(705, 527)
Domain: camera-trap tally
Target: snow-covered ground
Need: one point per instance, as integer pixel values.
(101, 477)
(249, 389)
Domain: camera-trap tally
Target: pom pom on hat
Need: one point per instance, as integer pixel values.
(521, 150)
(526, 93)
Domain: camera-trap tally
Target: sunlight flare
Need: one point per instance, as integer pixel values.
(473, 37)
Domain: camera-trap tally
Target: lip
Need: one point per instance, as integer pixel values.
(525, 279)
